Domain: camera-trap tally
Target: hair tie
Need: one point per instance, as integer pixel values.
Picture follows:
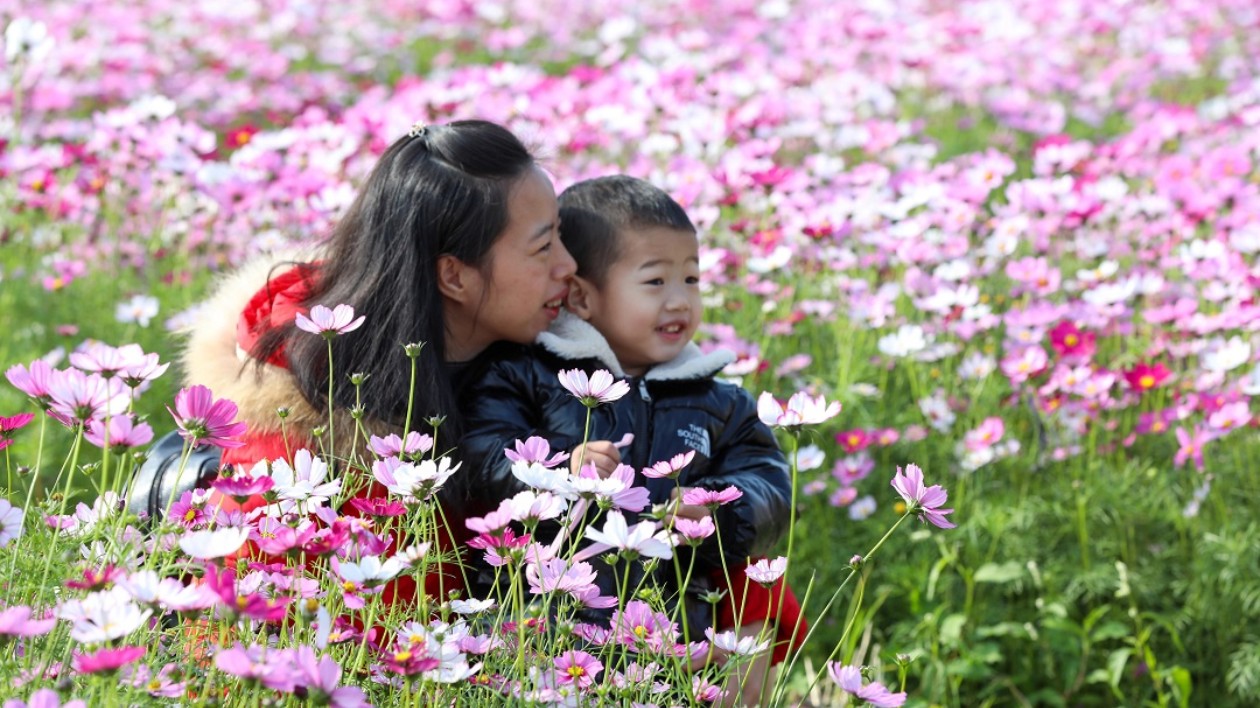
(418, 130)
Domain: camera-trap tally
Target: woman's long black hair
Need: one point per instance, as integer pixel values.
(440, 190)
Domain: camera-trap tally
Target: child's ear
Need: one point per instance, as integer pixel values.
(581, 293)
(455, 278)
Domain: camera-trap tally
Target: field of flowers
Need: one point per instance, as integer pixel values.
(1017, 240)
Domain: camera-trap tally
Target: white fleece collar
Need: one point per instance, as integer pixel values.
(571, 337)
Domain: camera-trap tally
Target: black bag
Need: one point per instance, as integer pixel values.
(156, 483)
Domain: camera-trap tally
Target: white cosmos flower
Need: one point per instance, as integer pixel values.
(149, 588)
(1226, 356)
(471, 606)
(11, 518)
(303, 483)
(103, 616)
(213, 544)
(27, 39)
(730, 641)
(908, 339)
(641, 538)
(369, 571)
(543, 479)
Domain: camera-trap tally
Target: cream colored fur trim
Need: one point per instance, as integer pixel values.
(212, 358)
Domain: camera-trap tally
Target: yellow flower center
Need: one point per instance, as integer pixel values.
(1146, 381)
(576, 671)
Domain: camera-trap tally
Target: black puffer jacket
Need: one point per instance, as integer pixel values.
(676, 407)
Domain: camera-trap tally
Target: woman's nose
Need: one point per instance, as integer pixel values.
(563, 266)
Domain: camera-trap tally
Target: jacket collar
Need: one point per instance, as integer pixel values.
(571, 337)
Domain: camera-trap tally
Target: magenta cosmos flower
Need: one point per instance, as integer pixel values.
(106, 660)
(329, 323)
(201, 419)
(924, 501)
(599, 388)
(10, 424)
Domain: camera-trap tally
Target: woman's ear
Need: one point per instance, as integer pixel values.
(456, 279)
(581, 297)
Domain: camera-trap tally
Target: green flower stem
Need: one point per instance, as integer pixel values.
(332, 436)
(411, 400)
(830, 601)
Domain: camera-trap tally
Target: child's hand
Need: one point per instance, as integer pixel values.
(685, 511)
(601, 453)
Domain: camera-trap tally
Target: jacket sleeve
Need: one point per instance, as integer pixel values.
(504, 404)
(748, 457)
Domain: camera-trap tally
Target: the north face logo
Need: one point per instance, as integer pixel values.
(696, 438)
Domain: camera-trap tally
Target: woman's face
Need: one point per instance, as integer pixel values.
(524, 283)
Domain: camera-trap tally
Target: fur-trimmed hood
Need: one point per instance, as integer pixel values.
(211, 357)
(571, 337)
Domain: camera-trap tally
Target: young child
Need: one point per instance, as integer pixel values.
(633, 309)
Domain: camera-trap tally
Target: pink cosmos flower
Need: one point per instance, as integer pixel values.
(801, 409)
(766, 572)
(535, 450)
(76, 397)
(322, 678)
(924, 501)
(271, 667)
(669, 469)
(201, 419)
(693, 531)
(699, 496)
(329, 323)
(106, 660)
(1022, 364)
(16, 622)
(105, 360)
(122, 433)
(241, 485)
(44, 698)
(599, 388)
(1191, 446)
(33, 381)
(990, 431)
(849, 678)
(556, 574)
(578, 668)
(143, 370)
(393, 446)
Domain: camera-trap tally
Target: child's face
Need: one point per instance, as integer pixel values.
(649, 306)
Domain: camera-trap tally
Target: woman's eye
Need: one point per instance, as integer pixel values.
(654, 281)
(693, 280)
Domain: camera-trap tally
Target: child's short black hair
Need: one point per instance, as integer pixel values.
(594, 213)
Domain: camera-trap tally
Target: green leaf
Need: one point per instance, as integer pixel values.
(951, 629)
(1179, 678)
(1000, 573)
(1110, 630)
(1116, 662)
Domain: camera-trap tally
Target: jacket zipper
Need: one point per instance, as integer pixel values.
(649, 442)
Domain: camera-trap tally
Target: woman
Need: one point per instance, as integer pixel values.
(451, 243)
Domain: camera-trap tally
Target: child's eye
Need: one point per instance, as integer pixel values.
(693, 280)
(654, 281)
